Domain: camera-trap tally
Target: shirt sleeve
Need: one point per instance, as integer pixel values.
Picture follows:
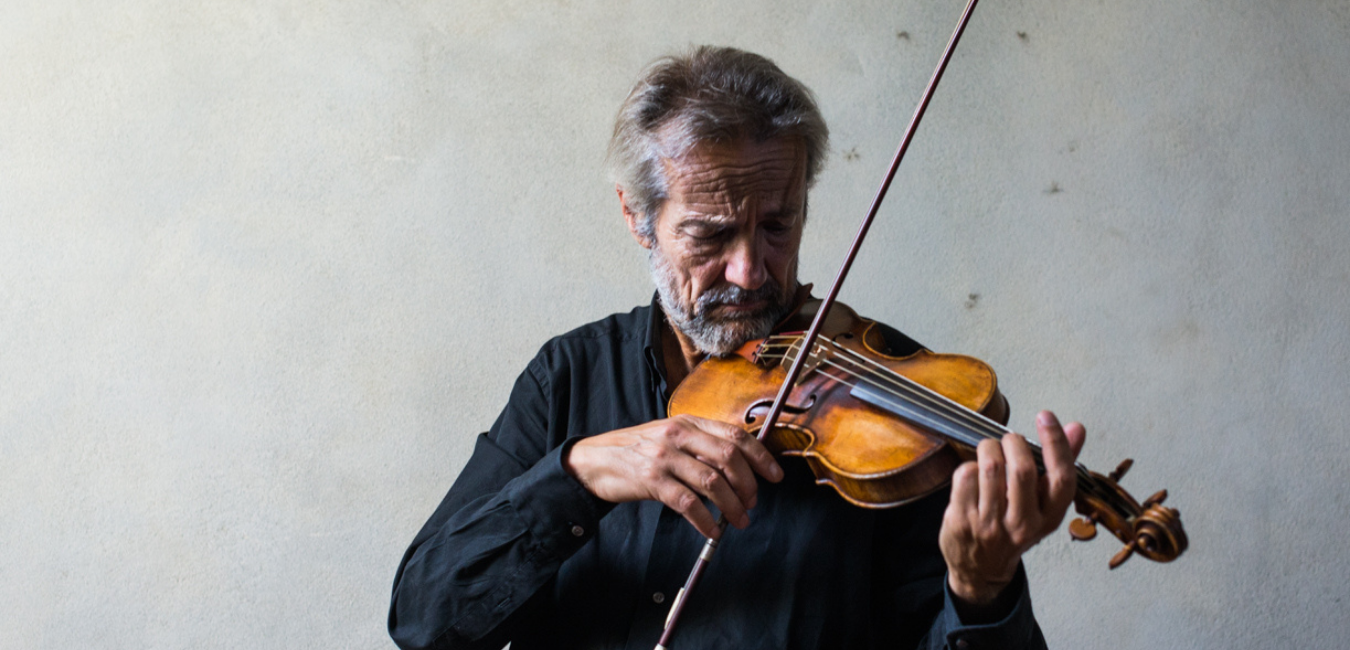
(911, 593)
(499, 536)
(1015, 631)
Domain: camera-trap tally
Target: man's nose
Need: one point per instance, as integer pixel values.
(745, 265)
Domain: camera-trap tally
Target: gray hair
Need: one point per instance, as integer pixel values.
(711, 94)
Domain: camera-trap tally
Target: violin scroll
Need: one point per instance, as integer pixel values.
(1149, 529)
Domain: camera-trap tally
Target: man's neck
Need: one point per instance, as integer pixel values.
(678, 353)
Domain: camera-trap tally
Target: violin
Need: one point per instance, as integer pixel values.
(884, 431)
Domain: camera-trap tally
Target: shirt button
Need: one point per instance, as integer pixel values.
(658, 598)
(962, 644)
(578, 531)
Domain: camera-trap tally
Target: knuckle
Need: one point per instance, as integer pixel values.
(650, 475)
(982, 533)
(993, 535)
(709, 479)
(727, 451)
(684, 502)
(964, 474)
(1063, 484)
(668, 430)
(1024, 472)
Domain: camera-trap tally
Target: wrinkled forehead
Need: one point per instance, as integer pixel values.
(771, 170)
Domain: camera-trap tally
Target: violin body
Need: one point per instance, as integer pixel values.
(871, 457)
(885, 430)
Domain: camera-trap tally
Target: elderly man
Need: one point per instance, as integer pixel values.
(567, 528)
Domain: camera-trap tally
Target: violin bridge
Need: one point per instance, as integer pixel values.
(818, 356)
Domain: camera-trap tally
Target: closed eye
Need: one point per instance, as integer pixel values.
(705, 233)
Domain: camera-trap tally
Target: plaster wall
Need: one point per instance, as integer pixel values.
(267, 267)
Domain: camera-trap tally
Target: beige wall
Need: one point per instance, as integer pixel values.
(267, 267)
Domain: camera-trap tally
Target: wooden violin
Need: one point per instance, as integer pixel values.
(884, 430)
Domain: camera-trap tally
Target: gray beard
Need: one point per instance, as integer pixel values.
(719, 335)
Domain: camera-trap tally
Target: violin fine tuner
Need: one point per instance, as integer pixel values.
(1149, 529)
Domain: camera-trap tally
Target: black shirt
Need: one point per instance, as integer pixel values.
(520, 552)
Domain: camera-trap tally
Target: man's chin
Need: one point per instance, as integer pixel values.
(727, 337)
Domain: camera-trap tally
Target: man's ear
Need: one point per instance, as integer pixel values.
(632, 219)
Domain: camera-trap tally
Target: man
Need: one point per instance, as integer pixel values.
(567, 527)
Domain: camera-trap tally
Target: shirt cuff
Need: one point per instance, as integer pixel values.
(560, 514)
(1016, 630)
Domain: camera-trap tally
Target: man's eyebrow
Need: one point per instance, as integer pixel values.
(698, 219)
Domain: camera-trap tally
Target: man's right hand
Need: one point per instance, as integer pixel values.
(676, 461)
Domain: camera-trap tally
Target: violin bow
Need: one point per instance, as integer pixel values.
(809, 339)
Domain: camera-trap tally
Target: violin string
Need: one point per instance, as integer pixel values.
(971, 438)
(917, 394)
(907, 389)
(914, 392)
(982, 424)
(973, 419)
(1086, 482)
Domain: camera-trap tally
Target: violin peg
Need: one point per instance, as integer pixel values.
(1123, 555)
(1123, 467)
(1157, 498)
(1082, 529)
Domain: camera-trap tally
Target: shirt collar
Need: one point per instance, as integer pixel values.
(652, 350)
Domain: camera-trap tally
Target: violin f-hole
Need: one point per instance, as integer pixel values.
(757, 410)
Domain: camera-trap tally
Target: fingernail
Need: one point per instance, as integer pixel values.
(1046, 419)
(753, 500)
(776, 471)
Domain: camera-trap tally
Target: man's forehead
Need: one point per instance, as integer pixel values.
(771, 167)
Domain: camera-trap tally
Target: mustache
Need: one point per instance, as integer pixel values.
(731, 295)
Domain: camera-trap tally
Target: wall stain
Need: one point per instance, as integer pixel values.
(1054, 188)
(972, 300)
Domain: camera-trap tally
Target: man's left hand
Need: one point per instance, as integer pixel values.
(1001, 506)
